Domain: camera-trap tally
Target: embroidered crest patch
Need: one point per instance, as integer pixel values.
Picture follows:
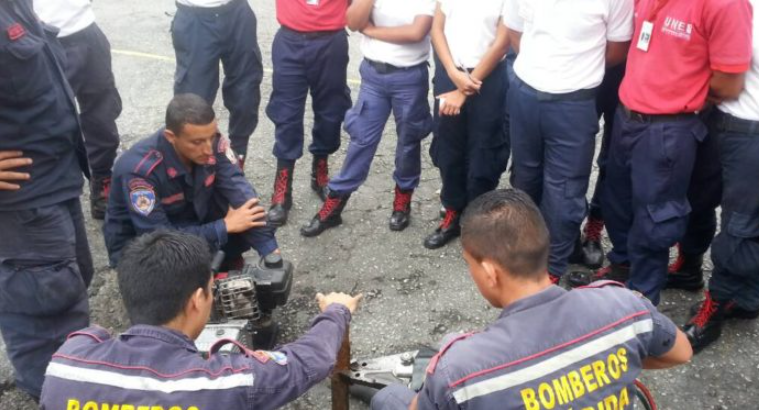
(141, 196)
(276, 357)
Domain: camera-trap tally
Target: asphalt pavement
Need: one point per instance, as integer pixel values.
(413, 295)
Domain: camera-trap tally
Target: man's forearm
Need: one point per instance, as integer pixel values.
(409, 33)
(494, 55)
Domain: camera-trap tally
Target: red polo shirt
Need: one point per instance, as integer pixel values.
(690, 40)
(312, 15)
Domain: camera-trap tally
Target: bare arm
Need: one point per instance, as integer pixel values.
(616, 53)
(413, 405)
(494, 54)
(409, 33)
(515, 39)
(680, 353)
(724, 86)
(463, 82)
(358, 14)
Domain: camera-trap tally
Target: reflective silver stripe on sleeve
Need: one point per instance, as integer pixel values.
(108, 378)
(546, 367)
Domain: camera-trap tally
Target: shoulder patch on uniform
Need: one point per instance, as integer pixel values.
(141, 196)
(264, 356)
(436, 358)
(225, 147)
(148, 163)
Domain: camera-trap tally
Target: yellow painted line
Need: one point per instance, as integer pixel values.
(139, 54)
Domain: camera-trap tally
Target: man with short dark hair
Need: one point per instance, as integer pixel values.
(165, 281)
(185, 177)
(595, 339)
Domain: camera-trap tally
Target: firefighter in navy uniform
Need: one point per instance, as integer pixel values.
(45, 261)
(165, 282)
(186, 177)
(549, 348)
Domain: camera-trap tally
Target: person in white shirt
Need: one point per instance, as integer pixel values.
(394, 78)
(469, 146)
(206, 33)
(89, 72)
(564, 48)
(734, 286)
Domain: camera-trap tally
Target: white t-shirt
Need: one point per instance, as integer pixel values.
(203, 3)
(563, 46)
(470, 28)
(394, 13)
(747, 105)
(69, 16)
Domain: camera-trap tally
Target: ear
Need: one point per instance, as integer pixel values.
(492, 273)
(195, 303)
(170, 136)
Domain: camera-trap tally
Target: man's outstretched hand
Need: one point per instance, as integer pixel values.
(351, 302)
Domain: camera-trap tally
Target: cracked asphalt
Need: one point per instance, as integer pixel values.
(413, 295)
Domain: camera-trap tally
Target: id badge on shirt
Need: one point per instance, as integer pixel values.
(646, 31)
(312, 2)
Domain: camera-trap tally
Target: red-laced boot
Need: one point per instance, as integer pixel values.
(592, 249)
(705, 326)
(328, 216)
(100, 189)
(686, 272)
(448, 229)
(320, 176)
(282, 198)
(401, 216)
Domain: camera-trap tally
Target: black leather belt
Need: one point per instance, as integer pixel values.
(211, 10)
(385, 68)
(579, 95)
(730, 123)
(654, 118)
(311, 34)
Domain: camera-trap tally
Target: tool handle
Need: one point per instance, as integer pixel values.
(339, 383)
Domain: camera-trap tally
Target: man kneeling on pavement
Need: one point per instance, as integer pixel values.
(549, 347)
(186, 177)
(165, 281)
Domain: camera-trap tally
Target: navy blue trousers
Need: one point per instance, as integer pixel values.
(88, 69)
(402, 92)
(203, 37)
(735, 250)
(45, 268)
(304, 63)
(470, 149)
(645, 200)
(553, 143)
(607, 102)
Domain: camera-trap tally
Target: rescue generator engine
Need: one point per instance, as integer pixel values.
(244, 303)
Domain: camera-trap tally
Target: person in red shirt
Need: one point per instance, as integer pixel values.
(684, 53)
(309, 54)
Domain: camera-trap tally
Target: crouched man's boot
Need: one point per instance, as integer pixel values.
(686, 272)
(399, 220)
(100, 188)
(282, 198)
(320, 176)
(705, 326)
(328, 216)
(448, 229)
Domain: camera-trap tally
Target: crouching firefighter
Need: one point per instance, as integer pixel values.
(185, 177)
(165, 280)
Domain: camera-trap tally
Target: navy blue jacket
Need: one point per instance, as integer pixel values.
(152, 189)
(37, 110)
(556, 349)
(152, 368)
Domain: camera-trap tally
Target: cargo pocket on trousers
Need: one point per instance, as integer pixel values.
(40, 290)
(352, 125)
(743, 226)
(667, 224)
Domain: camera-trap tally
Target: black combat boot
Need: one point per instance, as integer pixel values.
(705, 327)
(592, 249)
(732, 311)
(448, 229)
(100, 188)
(399, 220)
(320, 176)
(328, 216)
(282, 198)
(686, 272)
